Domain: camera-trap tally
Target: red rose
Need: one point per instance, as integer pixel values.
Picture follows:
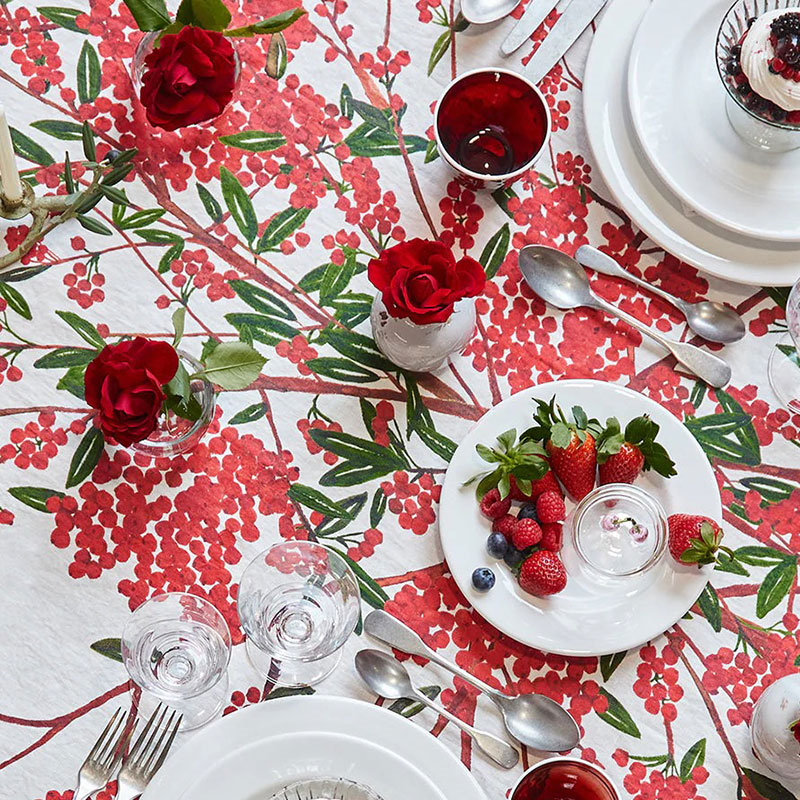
(124, 384)
(188, 78)
(422, 280)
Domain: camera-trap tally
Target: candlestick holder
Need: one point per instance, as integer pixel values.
(49, 212)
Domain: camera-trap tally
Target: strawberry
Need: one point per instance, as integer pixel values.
(694, 539)
(569, 445)
(546, 484)
(542, 574)
(622, 456)
(513, 466)
(506, 525)
(526, 534)
(492, 506)
(550, 507)
(552, 537)
(795, 729)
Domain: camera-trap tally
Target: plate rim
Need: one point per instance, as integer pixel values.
(339, 704)
(613, 21)
(637, 112)
(462, 585)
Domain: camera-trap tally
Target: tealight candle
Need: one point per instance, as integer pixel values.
(9, 175)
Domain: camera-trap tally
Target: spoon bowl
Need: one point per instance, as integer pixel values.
(481, 12)
(561, 281)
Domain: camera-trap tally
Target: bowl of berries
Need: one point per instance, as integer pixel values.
(575, 535)
(758, 58)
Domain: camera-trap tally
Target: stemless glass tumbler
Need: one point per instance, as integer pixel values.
(176, 648)
(298, 604)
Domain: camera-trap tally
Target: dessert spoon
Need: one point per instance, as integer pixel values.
(562, 282)
(390, 679)
(532, 719)
(713, 321)
(482, 11)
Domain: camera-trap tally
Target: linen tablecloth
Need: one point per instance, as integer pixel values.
(330, 185)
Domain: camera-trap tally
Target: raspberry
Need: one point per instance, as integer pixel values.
(506, 525)
(526, 534)
(550, 507)
(552, 537)
(492, 506)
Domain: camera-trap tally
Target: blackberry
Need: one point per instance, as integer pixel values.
(732, 66)
(786, 25)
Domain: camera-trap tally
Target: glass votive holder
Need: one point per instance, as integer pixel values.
(618, 531)
(491, 125)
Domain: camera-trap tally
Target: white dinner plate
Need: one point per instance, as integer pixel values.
(678, 106)
(262, 769)
(252, 732)
(637, 188)
(583, 620)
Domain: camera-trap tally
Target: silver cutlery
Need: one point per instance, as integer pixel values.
(104, 758)
(571, 24)
(390, 679)
(532, 719)
(147, 753)
(713, 321)
(562, 282)
(482, 11)
(535, 14)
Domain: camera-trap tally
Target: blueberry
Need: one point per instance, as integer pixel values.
(483, 579)
(513, 558)
(113, 155)
(528, 511)
(497, 545)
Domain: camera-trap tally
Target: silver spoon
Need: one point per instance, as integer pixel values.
(561, 281)
(482, 11)
(713, 321)
(533, 719)
(390, 679)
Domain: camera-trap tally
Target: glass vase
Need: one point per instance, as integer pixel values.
(175, 435)
(776, 711)
(422, 348)
(146, 45)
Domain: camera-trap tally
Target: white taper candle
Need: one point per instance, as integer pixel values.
(9, 174)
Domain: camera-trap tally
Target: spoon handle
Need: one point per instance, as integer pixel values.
(499, 751)
(388, 629)
(599, 261)
(710, 368)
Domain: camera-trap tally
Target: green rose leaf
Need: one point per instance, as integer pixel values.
(212, 15)
(150, 15)
(272, 25)
(233, 365)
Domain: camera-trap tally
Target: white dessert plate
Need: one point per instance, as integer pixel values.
(678, 107)
(585, 619)
(262, 769)
(637, 188)
(244, 753)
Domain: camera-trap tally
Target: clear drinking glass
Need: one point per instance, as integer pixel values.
(298, 604)
(774, 715)
(784, 362)
(618, 531)
(176, 648)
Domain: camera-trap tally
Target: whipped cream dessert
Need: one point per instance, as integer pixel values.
(764, 66)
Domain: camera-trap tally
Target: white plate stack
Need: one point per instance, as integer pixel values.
(655, 117)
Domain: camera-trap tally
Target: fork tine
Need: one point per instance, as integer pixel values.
(143, 735)
(156, 748)
(110, 744)
(167, 746)
(97, 745)
(142, 754)
(118, 752)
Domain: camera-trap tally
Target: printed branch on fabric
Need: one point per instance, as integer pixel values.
(260, 226)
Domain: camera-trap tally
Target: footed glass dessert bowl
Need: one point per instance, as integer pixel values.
(325, 789)
(758, 58)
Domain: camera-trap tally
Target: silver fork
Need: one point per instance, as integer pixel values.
(104, 758)
(148, 753)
